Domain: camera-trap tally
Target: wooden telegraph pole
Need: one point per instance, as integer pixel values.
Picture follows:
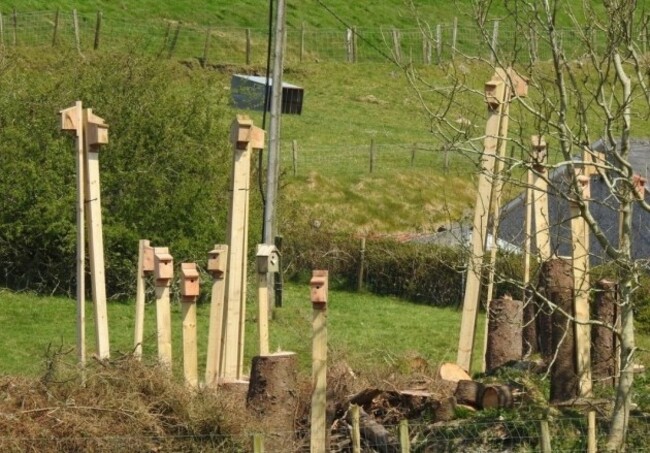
(189, 293)
(319, 292)
(498, 92)
(245, 138)
(217, 261)
(91, 132)
(163, 272)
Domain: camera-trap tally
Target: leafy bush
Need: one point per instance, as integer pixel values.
(164, 173)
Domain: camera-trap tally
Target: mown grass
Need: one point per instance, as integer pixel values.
(366, 330)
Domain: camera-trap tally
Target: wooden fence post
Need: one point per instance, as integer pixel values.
(545, 437)
(294, 155)
(356, 428)
(14, 17)
(413, 151)
(454, 36)
(404, 439)
(495, 41)
(217, 267)
(72, 120)
(75, 23)
(426, 47)
(397, 48)
(348, 45)
(354, 45)
(163, 273)
(56, 26)
(145, 266)
(98, 26)
(248, 46)
(206, 47)
(362, 258)
(95, 135)
(319, 293)
(372, 155)
(302, 41)
(258, 443)
(190, 287)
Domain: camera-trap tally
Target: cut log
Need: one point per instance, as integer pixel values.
(446, 409)
(377, 437)
(272, 396)
(469, 392)
(452, 372)
(504, 343)
(603, 341)
(497, 397)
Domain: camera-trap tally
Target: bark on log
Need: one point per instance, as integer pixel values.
(497, 397)
(469, 392)
(272, 396)
(375, 435)
(504, 342)
(544, 312)
(446, 409)
(603, 341)
(557, 279)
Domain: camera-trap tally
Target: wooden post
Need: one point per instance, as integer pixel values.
(397, 48)
(540, 199)
(497, 95)
(545, 437)
(294, 154)
(96, 134)
(356, 428)
(245, 138)
(75, 23)
(372, 155)
(258, 443)
(354, 45)
(302, 41)
(426, 47)
(438, 43)
(217, 266)
(404, 440)
(454, 36)
(206, 47)
(163, 272)
(190, 287)
(268, 261)
(348, 45)
(319, 293)
(14, 17)
(98, 26)
(72, 120)
(56, 27)
(248, 46)
(495, 41)
(2, 31)
(413, 150)
(145, 266)
(362, 259)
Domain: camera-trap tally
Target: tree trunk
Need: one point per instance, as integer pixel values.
(603, 341)
(504, 333)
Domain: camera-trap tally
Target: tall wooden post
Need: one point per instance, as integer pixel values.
(96, 134)
(190, 288)
(245, 138)
(145, 266)
(72, 120)
(319, 292)
(540, 198)
(268, 262)
(498, 92)
(163, 272)
(217, 264)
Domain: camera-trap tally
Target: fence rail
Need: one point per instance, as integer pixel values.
(232, 45)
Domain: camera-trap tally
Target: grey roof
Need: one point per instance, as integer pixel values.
(603, 206)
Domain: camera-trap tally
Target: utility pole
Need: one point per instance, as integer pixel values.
(273, 169)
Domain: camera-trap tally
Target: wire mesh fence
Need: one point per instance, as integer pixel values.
(234, 45)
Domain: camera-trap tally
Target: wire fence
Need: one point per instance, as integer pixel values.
(232, 45)
(564, 435)
(373, 158)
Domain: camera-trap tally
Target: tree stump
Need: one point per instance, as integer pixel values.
(497, 397)
(272, 396)
(556, 278)
(469, 392)
(504, 343)
(603, 340)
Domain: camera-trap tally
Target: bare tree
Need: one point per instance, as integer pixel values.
(586, 75)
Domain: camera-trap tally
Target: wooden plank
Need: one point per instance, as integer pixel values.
(404, 439)
(319, 295)
(540, 199)
(95, 237)
(356, 431)
(138, 336)
(72, 120)
(263, 313)
(190, 354)
(163, 274)
(237, 249)
(217, 266)
(495, 96)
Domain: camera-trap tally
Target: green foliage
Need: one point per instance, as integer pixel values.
(164, 173)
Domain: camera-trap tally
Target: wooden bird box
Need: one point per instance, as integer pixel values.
(71, 118)
(268, 259)
(243, 133)
(163, 265)
(494, 91)
(97, 134)
(217, 260)
(318, 288)
(538, 145)
(189, 280)
(519, 84)
(583, 187)
(639, 185)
